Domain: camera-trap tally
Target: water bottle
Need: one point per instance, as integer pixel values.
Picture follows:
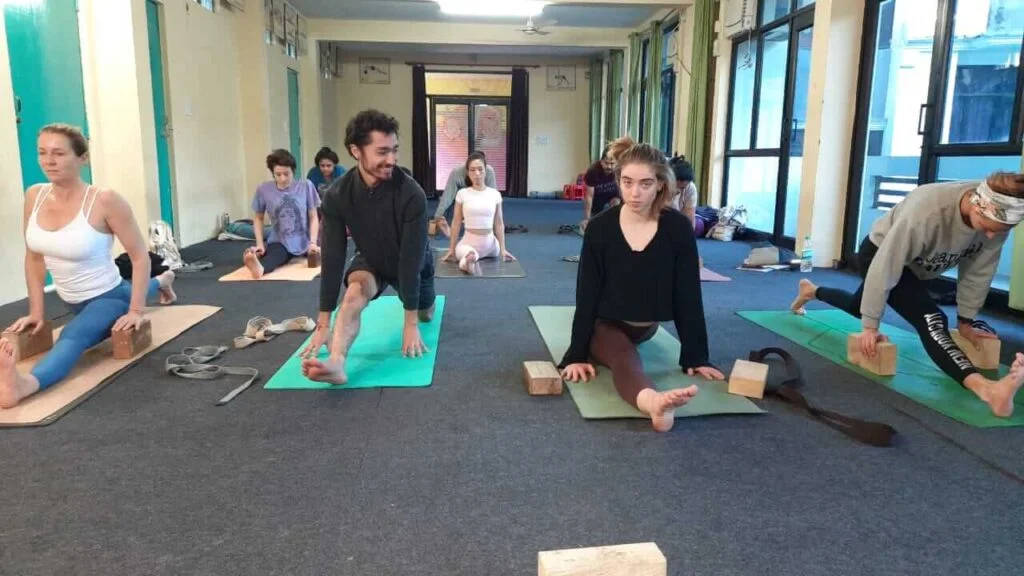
(806, 256)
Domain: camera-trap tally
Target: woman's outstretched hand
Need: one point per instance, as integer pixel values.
(579, 371)
(708, 372)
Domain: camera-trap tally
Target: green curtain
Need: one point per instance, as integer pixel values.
(652, 115)
(633, 118)
(596, 73)
(697, 110)
(613, 119)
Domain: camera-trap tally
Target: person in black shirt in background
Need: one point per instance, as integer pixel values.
(639, 266)
(386, 211)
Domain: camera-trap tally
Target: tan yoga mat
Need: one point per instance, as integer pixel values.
(97, 367)
(297, 271)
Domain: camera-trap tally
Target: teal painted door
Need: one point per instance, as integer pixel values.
(46, 72)
(163, 130)
(294, 130)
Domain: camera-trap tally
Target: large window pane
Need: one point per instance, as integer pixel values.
(796, 150)
(743, 94)
(490, 136)
(752, 183)
(773, 10)
(977, 168)
(451, 123)
(773, 87)
(903, 58)
(983, 65)
(801, 3)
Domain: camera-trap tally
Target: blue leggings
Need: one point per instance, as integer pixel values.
(91, 325)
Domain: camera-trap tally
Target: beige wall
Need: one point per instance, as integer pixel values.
(12, 242)
(278, 64)
(332, 129)
(559, 121)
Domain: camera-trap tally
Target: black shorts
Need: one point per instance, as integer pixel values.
(427, 294)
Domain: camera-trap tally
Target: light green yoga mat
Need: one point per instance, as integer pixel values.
(598, 398)
(917, 377)
(375, 359)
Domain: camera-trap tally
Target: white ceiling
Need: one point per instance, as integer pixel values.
(464, 49)
(587, 16)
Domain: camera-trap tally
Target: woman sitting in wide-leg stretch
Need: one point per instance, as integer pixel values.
(638, 267)
(936, 227)
(479, 206)
(292, 205)
(70, 228)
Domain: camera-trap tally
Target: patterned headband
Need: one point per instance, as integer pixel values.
(998, 207)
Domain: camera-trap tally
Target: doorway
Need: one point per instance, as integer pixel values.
(767, 117)
(460, 125)
(294, 125)
(939, 99)
(160, 113)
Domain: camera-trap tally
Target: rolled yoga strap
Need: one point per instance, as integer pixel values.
(193, 363)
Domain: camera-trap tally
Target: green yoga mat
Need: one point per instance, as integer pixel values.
(917, 377)
(598, 398)
(375, 359)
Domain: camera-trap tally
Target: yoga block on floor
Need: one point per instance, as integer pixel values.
(27, 345)
(432, 228)
(313, 259)
(128, 343)
(884, 362)
(987, 358)
(624, 560)
(748, 379)
(542, 379)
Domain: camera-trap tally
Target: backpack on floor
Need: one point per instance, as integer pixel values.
(785, 377)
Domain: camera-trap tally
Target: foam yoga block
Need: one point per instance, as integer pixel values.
(129, 343)
(748, 379)
(542, 379)
(313, 260)
(624, 560)
(884, 362)
(27, 345)
(987, 358)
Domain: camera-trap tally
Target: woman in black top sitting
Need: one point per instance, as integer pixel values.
(638, 267)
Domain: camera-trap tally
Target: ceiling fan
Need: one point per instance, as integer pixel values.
(531, 29)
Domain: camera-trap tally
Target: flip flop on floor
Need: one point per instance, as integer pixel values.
(261, 329)
(516, 228)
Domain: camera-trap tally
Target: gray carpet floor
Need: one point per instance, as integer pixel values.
(471, 476)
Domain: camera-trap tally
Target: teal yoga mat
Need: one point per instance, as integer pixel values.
(598, 398)
(375, 359)
(917, 377)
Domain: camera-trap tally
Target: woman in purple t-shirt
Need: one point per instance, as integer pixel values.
(292, 207)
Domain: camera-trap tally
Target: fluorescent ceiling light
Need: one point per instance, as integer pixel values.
(523, 8)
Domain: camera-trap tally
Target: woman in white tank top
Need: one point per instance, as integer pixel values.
(479, 206)
(69, 232)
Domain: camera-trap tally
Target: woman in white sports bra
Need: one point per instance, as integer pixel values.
(70, 228)
(479, 206)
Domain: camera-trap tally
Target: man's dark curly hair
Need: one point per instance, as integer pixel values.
(361, 125)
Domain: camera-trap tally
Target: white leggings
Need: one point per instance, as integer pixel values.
(485, 246)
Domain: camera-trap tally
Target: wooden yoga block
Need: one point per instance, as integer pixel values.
(313, 259)
(624, 560)
(432, 228)
(128, 343)
(27, 345)
(987, 358)
(542, 379)
(884, 362)
(748, 379)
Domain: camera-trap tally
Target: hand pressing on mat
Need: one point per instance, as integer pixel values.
(708, 372)
(868, 340)
(133, 319)
(449, 256)
(412, 342)
(580, 371)
(320, 337)
(975, 335)
(508, 257)
(30, 322)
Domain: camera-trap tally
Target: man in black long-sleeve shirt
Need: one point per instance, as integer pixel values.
(386, 212)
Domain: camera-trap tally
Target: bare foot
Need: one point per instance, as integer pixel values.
(167, 295)
(661, 406)
(9, 393)
(252, 262)
(331, 371)
(999, 394)
(804, 295)
(468, 263)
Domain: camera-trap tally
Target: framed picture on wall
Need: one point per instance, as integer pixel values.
(374, 71)
(291, 21)
(277, 19)
(336, 60)
(301, 36)
(561, 77)
(326, 54)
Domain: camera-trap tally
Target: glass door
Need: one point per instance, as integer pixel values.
(460, 126)
(939, 100)
(767, 116)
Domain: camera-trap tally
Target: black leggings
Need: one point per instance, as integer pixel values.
(910, 299)
(275, 256)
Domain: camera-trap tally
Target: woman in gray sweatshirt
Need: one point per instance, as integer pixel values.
(938, 226)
